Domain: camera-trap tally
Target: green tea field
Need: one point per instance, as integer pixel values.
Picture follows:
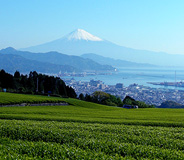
(83, 130)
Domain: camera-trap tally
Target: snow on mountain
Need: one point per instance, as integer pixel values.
(79, 42)
(81, 34)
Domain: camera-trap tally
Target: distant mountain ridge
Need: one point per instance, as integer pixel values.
(12, 63)
(79, 42)
(115, 62)
(77, 63)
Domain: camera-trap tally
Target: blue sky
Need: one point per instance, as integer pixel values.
(156, 25)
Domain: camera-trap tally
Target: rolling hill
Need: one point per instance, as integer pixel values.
(74, 63)
(115, 62)
(12, 63)
(84, 130)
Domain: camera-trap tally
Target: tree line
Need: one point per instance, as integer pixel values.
(35, 83)
(107, 99)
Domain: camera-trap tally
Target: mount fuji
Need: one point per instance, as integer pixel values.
(81, 42)
(81, 34)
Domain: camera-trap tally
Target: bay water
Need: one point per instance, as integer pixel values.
(140, 76)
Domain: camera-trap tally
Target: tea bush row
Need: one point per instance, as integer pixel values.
(109, 139)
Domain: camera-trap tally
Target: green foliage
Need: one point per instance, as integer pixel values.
(100, 97)
(171, 104)
(85, 130)
(17, 75)
(110, 100)
(82, 111)
(9, 98)
(87, 98)
(6, 80)
(79, 140)
(81, 97)
(35, 83)
(130, 101)
(105, 98)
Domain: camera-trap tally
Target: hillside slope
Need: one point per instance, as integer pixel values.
(115, 62)
(79, 63)
(86, 130)
(12, 63)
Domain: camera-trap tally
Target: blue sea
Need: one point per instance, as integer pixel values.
(140, 76)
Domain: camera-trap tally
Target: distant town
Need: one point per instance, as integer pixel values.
(149, 95)
(86, 73)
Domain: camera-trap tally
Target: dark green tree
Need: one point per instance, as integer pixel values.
(35, 83)
(81, 97)
(88, 98)
(17, 74)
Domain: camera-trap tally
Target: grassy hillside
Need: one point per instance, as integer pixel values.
(9, 98)
(85, 130)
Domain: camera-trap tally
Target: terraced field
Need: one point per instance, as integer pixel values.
(9, 98)
(85, 130)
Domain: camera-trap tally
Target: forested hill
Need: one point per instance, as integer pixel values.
(12, 63)
(77, 62)
(170, 104)
(35, 83)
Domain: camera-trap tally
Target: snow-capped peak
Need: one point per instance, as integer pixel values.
(81, 34)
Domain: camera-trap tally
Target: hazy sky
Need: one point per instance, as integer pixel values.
(156, 25)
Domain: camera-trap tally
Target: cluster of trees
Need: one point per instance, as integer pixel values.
(35, 83)
(130, 101)
(102, 98)
(107, 99)
(170, 104)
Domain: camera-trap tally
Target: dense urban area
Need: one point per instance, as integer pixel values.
(149, 95)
